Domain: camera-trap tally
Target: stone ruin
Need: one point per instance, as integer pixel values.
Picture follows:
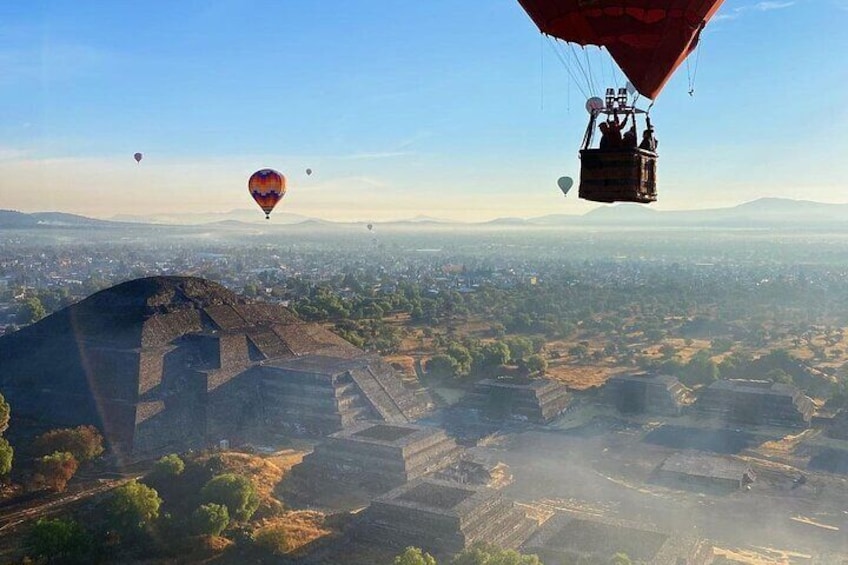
(472, 470)
(645, 394)
(756, 402)
(527, 400)
(318, 395)
(702, 470)
(443, 518)
(165, 364)
(567, 538)
(373, 458)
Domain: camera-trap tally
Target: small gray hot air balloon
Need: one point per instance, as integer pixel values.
(565, 184)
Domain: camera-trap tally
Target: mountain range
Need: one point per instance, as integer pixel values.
(764, 213)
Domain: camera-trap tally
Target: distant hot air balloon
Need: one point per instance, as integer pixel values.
(565, 184)
(370, 227)
(138, 157)
(267, 187)
(308, 172)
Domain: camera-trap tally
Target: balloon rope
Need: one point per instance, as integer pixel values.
(567, 67)
(695, 71)
(589, 70)
(582, 70)
(541, 74)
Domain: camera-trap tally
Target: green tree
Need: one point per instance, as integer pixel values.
(168, 466)
(495, 354)
(133, 507)
(537, 364)
(520, 348)
(414, 556)
(54, 471)
(83, 442)
(59, 541)
(441, 366)
(210, 519)
(5, 414)
(235, 492)
(7, 454)
(487, 554)
(462, 357)
(31, 311)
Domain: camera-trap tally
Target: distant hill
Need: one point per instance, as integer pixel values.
(506, 222)
(244, 216)
(12, 219)
(764, 213)
(771, 213)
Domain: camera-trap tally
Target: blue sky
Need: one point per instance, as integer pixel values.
(444, 108)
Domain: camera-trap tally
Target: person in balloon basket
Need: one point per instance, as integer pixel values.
(611, 132)
(649, 142)
(629, 140)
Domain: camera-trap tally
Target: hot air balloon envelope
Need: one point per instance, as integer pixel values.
(267, 187)
(565, 184)
(308, 172)
(138, 157)
(370, 227)
(648, 39)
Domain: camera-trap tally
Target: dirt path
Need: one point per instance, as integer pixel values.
(40, 508)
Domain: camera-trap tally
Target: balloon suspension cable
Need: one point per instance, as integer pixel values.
(590, 129)
(542, 73)
(568, 68)
(692, 74)
(583, 71)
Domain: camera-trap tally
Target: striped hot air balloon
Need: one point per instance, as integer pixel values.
(267, 187)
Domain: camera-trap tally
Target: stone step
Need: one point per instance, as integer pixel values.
(378, 396)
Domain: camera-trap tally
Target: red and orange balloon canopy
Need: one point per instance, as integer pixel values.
(267, 187)
(648, 39)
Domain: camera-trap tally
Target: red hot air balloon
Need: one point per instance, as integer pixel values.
(648, 39)
(267, 187)
(138, 157)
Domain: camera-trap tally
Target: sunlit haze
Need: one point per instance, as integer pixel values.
(442, 108)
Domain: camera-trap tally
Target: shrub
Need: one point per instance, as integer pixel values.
(59, 541)
(168, 466)
(7, 453)
(486, 554)
(211, 519)
(235, 492)
(133, 507)
(414, 556)
(5, 414)
(83, 442)
(54, 471)
(273, 539)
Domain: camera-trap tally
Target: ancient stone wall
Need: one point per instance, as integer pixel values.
(151, 369)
